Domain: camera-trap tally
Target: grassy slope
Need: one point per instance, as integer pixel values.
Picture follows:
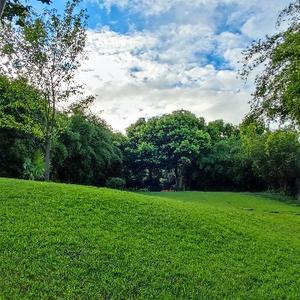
(67, 241)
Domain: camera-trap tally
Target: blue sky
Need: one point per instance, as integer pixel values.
(149, 57)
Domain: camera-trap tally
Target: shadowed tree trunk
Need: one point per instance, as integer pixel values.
(47, 159)
(298, 189)
(181, 180)
(150, 175)
(176, 179)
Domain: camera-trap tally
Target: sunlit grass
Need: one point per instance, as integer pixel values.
(75, 242)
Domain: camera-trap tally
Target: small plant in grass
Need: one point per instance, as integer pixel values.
(115, 183)
(34, 168)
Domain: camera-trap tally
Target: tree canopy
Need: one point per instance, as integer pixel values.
(277, 93)
(20, 106)
(10, 9)
(169, 143)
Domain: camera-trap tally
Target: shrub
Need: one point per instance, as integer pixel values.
(34, 168)
(115, 183)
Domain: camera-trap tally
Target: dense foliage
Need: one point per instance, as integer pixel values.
(165, 147)
(180, 151)
(277, 93)
(176, 151)
(85, 151)
(20, 107)
(17, 9)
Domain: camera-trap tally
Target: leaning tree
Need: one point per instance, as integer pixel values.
(46, 50)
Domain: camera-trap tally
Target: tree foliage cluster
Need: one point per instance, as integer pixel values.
(177, 151)
(39, 58)
(277, 87)
(17, 9)
(85, 151)
(180, 151)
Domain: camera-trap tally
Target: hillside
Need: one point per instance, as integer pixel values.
(75, 242)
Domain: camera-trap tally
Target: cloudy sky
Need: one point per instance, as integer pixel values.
(149, 57)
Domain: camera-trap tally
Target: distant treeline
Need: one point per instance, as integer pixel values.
(177, 151)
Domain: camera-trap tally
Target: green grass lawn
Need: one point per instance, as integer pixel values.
(61, 241)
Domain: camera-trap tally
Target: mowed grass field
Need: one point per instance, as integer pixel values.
(61, 241)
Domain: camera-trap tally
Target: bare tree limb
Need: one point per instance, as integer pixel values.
(2, 6)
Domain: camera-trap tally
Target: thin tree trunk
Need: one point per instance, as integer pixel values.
(47, 159)
(181, 181)
(298, 189)
(2, 6)
(150, 175)
(50, 127)
(176, 179)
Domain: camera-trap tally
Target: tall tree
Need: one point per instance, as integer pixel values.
(277, 93)
(46, 51)
(182, 140)
(141, 154)
(172, 143)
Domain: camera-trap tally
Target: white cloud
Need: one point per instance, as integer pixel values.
(130, 84)
(123, 105)
(165, 67)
